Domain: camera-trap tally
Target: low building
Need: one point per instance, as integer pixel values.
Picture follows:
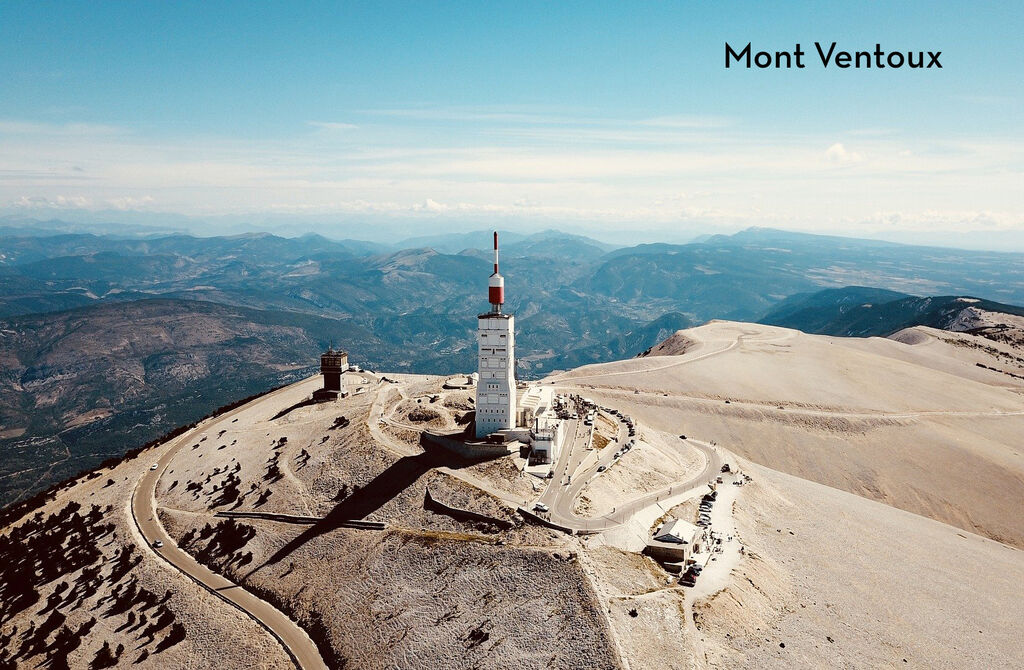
(546, 438)
(533, 402)
(675, 541)
(547, 430)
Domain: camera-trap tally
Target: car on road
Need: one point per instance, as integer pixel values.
(154, 466)
(696, 568)
(158, 544)
(688, 579)
(602, 468)
(541, 507)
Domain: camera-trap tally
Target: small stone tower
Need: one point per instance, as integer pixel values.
(332, 364)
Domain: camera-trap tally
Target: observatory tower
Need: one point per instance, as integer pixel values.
(333, 363)
(495, 334)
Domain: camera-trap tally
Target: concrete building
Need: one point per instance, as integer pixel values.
(535, 401)
(547, 436)
(547, 432)
(332, 364)
(675, 541)
(496, 387)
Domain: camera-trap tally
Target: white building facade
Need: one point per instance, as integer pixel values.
(496, 388)
(496, 359)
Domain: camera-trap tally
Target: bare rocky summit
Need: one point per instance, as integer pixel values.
(875, 520)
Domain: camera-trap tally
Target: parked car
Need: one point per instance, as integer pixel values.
(541, 507)
(158, 544)
(154, 466)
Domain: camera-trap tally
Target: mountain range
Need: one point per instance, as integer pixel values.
(133, 334)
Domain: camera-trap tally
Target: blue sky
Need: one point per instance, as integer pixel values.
(593, 115)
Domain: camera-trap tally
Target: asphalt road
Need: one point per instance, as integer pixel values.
(561, 497)
(297, 644)
(561, 511)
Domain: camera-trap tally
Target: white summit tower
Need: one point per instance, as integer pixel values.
(495, 334)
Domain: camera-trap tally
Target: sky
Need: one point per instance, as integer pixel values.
(617, 119)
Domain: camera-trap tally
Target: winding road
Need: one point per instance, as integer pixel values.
(564, 498)
(296, 642)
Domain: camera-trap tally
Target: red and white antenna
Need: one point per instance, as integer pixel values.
(496, 285)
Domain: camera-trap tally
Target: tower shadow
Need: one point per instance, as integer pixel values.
(386, 486)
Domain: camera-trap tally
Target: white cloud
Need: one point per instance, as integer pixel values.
(129, 203)
(685, 122)
(837, 153)
(608, 171)
(56, 202)
(14, 127)
(332, 125)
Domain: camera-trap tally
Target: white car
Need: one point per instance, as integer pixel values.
(154, 466)
(541, 507)
(158, 544)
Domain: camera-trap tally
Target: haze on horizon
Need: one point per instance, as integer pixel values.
(612, 121)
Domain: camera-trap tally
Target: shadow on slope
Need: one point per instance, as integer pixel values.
(364, 501)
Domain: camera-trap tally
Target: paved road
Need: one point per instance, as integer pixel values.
(297, 644)
(562, 509)
(631, 395)
(559, 496)
(675, 361)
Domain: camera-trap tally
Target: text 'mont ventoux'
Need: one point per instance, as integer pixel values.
(879, 58)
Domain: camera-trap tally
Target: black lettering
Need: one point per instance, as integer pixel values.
(934, 55)
(920, 59)
(799, 53)
(778, 59)
(878, 56)
(899, 61)
(821, 54)
(843, 59)
(729, 53)
(762, 62)
(867, 59)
